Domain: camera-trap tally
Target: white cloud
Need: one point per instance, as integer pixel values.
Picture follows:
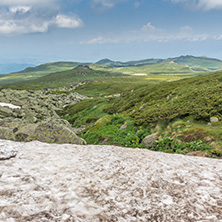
(184, 33)
(64, 21)
(100, 40)
(148, 27)
(210, 4)
(102, 5)
(20, 9)
(202, 4)
(26, 2)
(30, 16)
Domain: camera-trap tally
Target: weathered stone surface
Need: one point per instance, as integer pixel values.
(214, 120)
(108, 183)
(150, 140)
(6, 133)
(38, 111)
(25, 131)
(53, 132)
(5, 111)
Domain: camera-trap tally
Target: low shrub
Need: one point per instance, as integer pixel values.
(171, 145)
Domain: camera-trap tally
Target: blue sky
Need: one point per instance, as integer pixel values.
(38, 31)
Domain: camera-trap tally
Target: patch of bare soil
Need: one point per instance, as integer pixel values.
(49, 182)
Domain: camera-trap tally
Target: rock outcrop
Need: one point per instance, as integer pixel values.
(27, 115)
(46, 182)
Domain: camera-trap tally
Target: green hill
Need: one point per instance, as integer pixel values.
(36, 72)
(205, 62)
(68, 77)
(178, 112)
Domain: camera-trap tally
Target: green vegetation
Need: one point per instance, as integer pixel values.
(36, 72)
(198, 96)
(179, 110)
(124, 108)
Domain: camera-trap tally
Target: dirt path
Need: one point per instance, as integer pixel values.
(107, 183)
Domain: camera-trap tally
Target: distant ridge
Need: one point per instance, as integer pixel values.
(13, 67)
(210, 63)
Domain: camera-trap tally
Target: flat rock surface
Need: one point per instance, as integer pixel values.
(49, 182)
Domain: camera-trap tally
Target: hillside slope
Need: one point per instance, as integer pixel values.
(36, 72)
(199, 96)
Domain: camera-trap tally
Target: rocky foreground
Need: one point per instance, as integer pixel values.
(51, 182)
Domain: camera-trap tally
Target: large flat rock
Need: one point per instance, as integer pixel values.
(50, 182)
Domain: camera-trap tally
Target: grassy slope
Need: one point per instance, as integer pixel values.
(204, 62)
(183, 117)
(65, 78)
(36, 72)
(198, 96)
(168, 68)
(155, 69)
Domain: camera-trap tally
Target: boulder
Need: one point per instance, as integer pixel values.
(6, 133)
(52, 131)
(214, 119)
(150, 140)
(5, 111)
(25, 131)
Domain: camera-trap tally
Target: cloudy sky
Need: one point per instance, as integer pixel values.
(38, 31)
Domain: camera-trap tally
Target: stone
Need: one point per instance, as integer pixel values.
(52, 131)
(25, 131)
(214, 119)
(124, 126)
(150, 140)
(5, 111)
(6, 133)
(6, 154)
(169, 96)
(142, 107)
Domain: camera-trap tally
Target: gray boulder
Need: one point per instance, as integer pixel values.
(5, 112)
(54, 132)
(214, 119)
(6, 134)
(150, 140)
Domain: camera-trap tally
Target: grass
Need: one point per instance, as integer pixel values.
(125, 108)
(145, 109)
(36, 72)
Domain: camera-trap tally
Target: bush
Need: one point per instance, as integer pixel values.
(171, 145)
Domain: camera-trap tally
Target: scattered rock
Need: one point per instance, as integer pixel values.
(142, 107)
(169, 96)
(27, 115)
(150, 140)
(106, 140)
(214, 119)
(124, 126)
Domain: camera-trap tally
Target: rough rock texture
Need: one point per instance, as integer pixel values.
(107, 183)
(50, 131)
(150, 140)
(214, 119)
(33, 106)
(53, 132)
(6, 151)
(27, 115)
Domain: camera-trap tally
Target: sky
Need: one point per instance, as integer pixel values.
(39, 31)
